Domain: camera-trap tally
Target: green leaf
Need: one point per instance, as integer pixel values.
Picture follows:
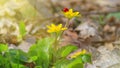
(38, 67)
(77, 62)
(86, 58)
(3, 47)
(64, 63)
(2, 61)
(42, 50)
(101, 20)
(33, 58)
(79, 65)
(116, 15)
(15, 55)
(14, 65)
(22, 28)
(61, 63)
(66, 50)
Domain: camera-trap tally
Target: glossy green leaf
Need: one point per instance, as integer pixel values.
(3, 47)
(33, 58)
(76, 62)
(86, 58)
(42, 49)
(13, 57)
(66, 50)
(38, 67)
(79, 65)
(14, 65)
(16, 56)
(2, 61)
(61, 63)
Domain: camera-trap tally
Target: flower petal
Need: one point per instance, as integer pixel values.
(55, 28)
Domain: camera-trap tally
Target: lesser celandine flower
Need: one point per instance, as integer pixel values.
(69, 13)
(78, 53)
(55, 28)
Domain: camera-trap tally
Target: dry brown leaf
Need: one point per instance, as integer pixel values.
(109, 46)
(86, 30)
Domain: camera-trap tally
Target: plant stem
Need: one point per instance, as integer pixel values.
(67, 23)
(56, 42)
(55, 48)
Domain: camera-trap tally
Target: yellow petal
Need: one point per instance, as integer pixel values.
(84, 51)
(73, 57)
(78, 53)
(60, 25)
(63, 28)
(55, 28)
(76, 13)
(71, 14)
(70, 11)
(49, 31)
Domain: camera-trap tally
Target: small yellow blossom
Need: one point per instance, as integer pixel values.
(55, 28)
(78, 53)
(70, 14)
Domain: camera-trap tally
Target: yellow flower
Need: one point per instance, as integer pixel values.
(55, 28)
(78, 53)
(70, 14)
